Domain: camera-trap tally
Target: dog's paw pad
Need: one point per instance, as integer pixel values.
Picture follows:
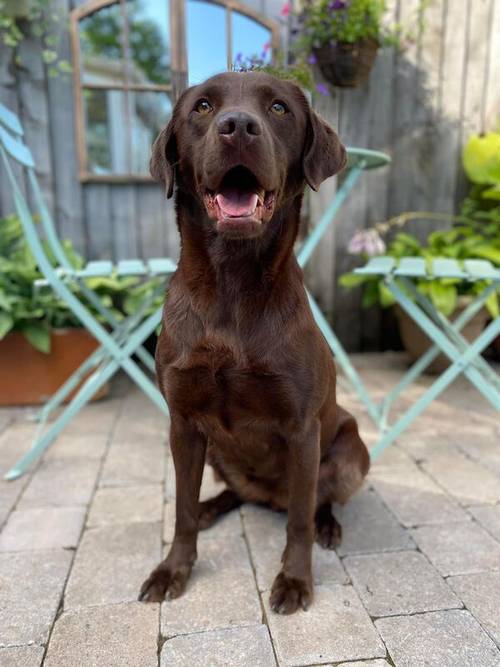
(289, 594)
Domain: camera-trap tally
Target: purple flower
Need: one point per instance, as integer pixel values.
(312, 59)
(337, 4)
(322, 89)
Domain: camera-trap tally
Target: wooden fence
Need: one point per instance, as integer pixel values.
(419, 106)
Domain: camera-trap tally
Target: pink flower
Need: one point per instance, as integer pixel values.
(366, 241)
(266, 47)
(285, 10)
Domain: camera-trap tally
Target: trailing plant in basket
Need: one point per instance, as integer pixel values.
(343, 36)
(37, 311)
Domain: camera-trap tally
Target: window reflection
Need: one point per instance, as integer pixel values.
(149, 52)
(102, 47)
(207, 47)
(149, 113)
(250, 39)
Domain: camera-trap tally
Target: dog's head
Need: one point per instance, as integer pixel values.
(243, 144)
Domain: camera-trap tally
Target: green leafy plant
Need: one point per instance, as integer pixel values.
(299, 71)
(22, 18)
(36, 311)
(474, 234)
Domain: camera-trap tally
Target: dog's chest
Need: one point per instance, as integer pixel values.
(220, 387)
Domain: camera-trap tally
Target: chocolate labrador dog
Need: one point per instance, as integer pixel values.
(248, 377)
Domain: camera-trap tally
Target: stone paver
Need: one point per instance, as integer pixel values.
(62, 482)
(334, 629)
(481, 595)
(365, 663)
(221, 591)
(466, 480)
(399, 583)
(128, 504)
(88, 445)
(368, 527)
(437, 490)
(42, 528)
(234, 647)
(438, 639)
(111, 563)
(21, 656)
(31, 586)
(458, 548)
(122, 634)
(226, 527)
(133, 463)
(266, 534)
(488, 517)
(413, 497)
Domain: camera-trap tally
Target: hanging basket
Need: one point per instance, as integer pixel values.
(347, 65)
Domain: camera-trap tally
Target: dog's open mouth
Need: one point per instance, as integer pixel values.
(239, 201)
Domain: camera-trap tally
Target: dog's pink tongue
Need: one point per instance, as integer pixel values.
(237, 203)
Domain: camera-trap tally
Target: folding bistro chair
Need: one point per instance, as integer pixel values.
(124, 337)
(465, 357)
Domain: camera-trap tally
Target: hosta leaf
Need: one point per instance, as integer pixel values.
(6, 324)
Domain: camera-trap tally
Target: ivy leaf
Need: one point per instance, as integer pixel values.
(38, 335)
(351, 280)
(492, 305)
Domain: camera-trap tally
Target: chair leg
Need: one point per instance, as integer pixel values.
(452, 372)
(344, 361)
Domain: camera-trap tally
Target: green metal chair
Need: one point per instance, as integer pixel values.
(119, 341)
(465, 357)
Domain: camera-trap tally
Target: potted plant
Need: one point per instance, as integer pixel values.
(41, 341)
(343, 37)
(471, 236)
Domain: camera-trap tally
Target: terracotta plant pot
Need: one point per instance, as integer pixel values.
(416, 342)
(347, 65)
(30, 377)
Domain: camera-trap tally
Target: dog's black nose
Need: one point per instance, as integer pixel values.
(238, 123)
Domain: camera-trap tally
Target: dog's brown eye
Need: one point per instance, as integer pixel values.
(278, 108)
(204, 107)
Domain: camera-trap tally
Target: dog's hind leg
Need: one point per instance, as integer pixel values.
(212, 509)
(328, 529)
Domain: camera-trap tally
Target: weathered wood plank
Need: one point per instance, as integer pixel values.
(68, 203)
(98, 225)
(151, 220)
(492, 93)
(124, 222)
(8, 97)
(34, 108)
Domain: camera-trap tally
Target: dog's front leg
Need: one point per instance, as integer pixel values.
(293, 587)
(169, 579)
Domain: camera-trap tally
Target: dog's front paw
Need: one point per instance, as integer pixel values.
(289, 594)
(165, 583)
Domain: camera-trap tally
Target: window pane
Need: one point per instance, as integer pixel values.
(149, 44)
(106, 131)
(206, 40)
(101, 42)
(149, 113)
(250, 39)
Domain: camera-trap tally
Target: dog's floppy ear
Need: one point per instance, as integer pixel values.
(164, 157)
(324, 154)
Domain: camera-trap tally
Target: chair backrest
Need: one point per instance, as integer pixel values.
(13, 147)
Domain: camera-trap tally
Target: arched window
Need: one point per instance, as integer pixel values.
(131, 60)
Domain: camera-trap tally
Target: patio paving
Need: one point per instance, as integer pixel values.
(415, 582)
